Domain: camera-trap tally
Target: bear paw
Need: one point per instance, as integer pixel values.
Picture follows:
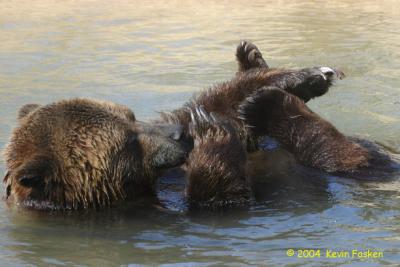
(262, 107)
(248, 56)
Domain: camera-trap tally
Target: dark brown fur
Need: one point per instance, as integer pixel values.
(314, 141)
(216, 170)
(82, 153)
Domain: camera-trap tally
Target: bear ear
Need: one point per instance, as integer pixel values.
(25, 110)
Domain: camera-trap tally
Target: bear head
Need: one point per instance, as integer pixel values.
(84, 153)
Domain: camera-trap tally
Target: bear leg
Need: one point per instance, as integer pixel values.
(314, 141)
(306, 83)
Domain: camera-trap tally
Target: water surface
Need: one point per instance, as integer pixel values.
(153, 57)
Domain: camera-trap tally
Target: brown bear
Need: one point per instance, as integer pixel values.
(219, 173)
(225, 98)
(82, 153)
(217, 167)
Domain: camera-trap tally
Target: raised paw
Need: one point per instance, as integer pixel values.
(265, 105)
(248, 56)
(309, 83)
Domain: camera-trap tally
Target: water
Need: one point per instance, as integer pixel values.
(153, 57)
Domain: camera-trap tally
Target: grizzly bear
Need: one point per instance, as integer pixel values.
(219, 173)
(82, 153)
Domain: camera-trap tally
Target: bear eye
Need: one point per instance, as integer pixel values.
(29, 180)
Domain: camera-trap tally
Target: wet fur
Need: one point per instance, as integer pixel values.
(314, 141)
(81, 153)
(216, 170)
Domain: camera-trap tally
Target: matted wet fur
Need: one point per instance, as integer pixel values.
(81, 153)
(219, 174)
(313, 141)
(216, 169)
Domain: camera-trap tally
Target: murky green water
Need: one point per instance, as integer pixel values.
(153, 57)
